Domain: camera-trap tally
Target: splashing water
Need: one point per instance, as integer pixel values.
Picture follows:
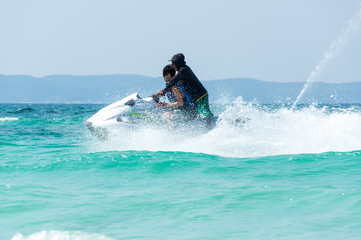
(352, 27)
(270, 130)
(60, 235)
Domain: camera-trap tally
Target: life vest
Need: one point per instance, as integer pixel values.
(188, 101)
(171, 97)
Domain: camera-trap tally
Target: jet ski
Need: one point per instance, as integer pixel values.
(128, 112)
(132, 112)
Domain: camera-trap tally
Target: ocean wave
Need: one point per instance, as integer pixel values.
(61, 235)
(2, 143)
(115, 161)
(8, 119)
(26, 109)
(21, 110)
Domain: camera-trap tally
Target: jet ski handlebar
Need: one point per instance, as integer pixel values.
(155, 97)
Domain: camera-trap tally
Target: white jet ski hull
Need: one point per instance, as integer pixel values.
(134, 111)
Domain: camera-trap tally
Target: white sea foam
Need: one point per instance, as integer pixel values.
(61, 235)
(268, 132)
(6, 119)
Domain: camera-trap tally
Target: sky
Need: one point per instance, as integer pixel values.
(278, 40)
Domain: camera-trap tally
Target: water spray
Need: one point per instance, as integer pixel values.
(335, 47)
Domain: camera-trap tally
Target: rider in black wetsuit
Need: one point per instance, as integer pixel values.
(191, 84)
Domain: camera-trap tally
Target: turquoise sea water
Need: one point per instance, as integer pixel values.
(283, 175)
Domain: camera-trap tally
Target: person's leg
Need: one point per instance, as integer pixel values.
(203, 110)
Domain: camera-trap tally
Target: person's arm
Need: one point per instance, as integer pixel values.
(179, 98)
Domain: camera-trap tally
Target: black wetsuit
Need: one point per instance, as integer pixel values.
(192, 86)
(190, 81)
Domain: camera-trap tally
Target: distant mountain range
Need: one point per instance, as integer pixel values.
(109, 88)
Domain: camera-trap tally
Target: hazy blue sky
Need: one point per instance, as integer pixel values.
(278, 40)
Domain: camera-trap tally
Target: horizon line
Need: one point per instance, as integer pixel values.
(140, 75)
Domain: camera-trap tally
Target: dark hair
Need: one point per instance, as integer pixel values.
(168, 70)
